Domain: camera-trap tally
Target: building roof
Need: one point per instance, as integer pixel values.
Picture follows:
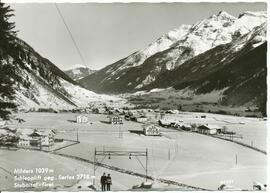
(145, 126)
(81, 116)
(112, 116)
(25, 137)
(142, 116)
(167, 121)
(46, 132)
(25, 131)
(210, 127)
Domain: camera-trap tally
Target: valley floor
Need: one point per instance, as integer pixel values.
(185, 157)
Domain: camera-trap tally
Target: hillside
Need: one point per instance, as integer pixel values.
(236, 71)
(44, 85)
(219, 62)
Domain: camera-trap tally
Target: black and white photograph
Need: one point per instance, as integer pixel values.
(133, 96)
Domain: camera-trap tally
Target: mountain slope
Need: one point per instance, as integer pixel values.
(233, 74)
(79, 72)
(44, 85)
(142, 68)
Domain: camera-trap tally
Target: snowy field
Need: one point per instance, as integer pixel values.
(253, 130)
(184, 157)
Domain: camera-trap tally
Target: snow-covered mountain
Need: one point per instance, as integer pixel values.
(44, 85)
(235, 73)
(142, 68)
(78, 73)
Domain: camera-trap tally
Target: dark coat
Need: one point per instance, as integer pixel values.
(103, 179)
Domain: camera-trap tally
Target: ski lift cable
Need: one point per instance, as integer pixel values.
(70, 34)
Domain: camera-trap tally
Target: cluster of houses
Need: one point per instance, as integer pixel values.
(116, 116)
(207, 129)
(32, 138)
(25, 138)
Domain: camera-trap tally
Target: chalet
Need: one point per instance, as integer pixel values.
(47, 138)
(209, 129)
(151, 130)
(115, 119)
(35, 139)
(81, 119)
(24, 141)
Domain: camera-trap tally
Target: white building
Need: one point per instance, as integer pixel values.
(47, 138)
(151, 130)
(141, 119)
(115, 119)
(34, 138)
(209, 129)
(82, 119)
(24, 141)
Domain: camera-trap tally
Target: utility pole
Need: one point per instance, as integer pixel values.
(77, 135)
(146, 164)
(94, 179)
(236, 159)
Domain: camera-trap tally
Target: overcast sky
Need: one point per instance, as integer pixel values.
(106, 33)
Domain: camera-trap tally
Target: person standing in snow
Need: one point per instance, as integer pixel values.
(103, 182)
(109, 182)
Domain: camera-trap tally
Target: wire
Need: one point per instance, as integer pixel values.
(71, 36)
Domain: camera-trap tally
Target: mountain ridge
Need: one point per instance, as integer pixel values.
(198, 38)
(78, 73)
(213, 44)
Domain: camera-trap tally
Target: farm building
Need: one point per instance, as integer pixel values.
(168, 122)
(115, 119)
(209, 129)
(141, 119)
(172, 112)
(186, 127)
(82, 119)
(99, 110)
(151, 130)
(164, 123)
